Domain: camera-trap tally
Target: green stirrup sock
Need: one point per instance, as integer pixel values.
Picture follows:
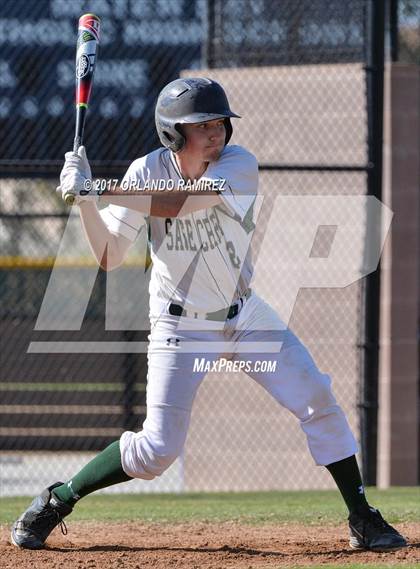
(346, 474)
(102, 471)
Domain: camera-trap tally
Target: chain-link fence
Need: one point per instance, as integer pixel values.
(296, 72)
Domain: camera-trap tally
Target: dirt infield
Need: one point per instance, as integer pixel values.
(134, 545)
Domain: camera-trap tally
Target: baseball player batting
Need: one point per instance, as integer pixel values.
(200, 295)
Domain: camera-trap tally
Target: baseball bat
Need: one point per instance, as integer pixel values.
(86, 53)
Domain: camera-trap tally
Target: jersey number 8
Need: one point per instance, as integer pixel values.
(234, 259)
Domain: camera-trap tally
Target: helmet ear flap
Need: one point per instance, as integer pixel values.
(178, 143)
(229, 130)
(168, 136)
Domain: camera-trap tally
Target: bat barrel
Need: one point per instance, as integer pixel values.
(87, 47)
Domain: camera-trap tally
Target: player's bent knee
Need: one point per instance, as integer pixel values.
(324, 396)
(159, 463)
(145, 456)
(320, 397)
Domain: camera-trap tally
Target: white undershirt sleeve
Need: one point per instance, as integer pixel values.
(123, 220)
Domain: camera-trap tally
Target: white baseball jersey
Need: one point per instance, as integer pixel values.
(201, 260)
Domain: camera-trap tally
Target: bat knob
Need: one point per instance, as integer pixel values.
(69, 199)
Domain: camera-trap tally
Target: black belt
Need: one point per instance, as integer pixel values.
(218, 315)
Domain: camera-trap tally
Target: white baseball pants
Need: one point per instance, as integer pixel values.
(297, 385)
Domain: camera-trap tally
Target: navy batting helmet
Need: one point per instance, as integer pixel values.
(186, 101)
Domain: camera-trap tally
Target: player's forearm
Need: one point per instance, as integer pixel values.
(109, 249)
(199, 201)
(162, 204)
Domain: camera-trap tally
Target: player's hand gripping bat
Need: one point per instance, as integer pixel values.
(87, 49)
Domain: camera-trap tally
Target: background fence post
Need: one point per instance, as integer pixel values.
(375, 24)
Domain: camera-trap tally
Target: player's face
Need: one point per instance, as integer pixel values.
(206, 140)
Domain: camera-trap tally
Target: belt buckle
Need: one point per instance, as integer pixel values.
(176, 310)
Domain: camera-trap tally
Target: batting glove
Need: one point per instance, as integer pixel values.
(76, 177)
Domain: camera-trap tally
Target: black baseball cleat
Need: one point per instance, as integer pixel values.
(35, 524)
(368, 530)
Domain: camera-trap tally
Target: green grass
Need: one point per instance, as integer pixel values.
(363, 566)
(306, 507)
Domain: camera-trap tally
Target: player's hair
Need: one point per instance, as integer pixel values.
(187, 101)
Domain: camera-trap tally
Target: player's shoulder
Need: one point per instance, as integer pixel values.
(150, 161)
(237, 150)
(234, 152)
